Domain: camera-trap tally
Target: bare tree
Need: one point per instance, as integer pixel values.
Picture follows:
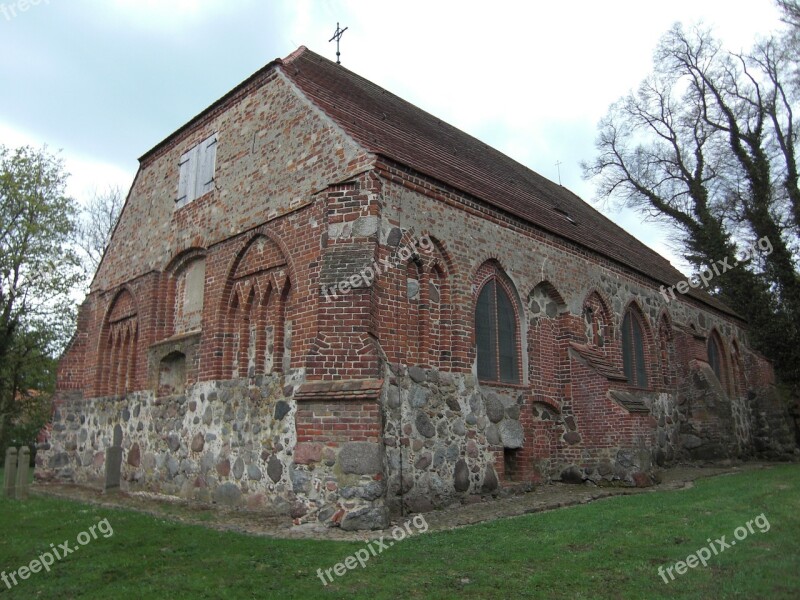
(98, 219)
(707, 144)
(791, 13)
(741, 104)
(791, 39)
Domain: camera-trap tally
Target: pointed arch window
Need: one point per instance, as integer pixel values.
(714, 357)
(633, 350)
(117, 372)
(496, 335)
(256, 325)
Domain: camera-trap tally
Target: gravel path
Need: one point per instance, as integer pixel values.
(543, 497)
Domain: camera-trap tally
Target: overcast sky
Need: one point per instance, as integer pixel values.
(104, 81)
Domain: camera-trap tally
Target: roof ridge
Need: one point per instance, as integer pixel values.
(439, 121)
(295, 54)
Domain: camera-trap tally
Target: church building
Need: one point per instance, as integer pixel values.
(323, 302)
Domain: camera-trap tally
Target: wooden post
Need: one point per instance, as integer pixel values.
(23, 466)
(10, 472)
(114, 461)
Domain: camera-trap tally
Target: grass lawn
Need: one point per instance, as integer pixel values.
(607, 549)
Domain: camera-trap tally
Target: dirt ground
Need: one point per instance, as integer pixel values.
(543, 497)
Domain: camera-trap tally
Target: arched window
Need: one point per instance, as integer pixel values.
(633, 350)
(256, 325)
(496, 335)
(715, 357)
(119, 347)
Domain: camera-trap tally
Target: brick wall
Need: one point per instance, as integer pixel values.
(334, 423)
(547, 274)
(312, 262)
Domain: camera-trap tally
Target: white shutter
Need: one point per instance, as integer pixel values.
(183, 179)
(205, 182)
(196, 171)
(191, 182)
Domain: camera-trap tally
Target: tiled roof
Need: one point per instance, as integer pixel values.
(353, 389)
(391, 127)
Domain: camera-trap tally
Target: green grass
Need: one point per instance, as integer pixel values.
(607, 549)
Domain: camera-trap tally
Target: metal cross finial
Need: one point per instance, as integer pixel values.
(558, 166)
(337, 36)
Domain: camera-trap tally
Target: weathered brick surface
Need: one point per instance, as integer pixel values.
(314, 263)
(568, 415)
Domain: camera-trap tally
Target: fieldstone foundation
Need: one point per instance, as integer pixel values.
(445, 439)
(231, 443)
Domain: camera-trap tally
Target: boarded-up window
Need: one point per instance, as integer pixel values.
(172, 374)
(496, 335)
(190, 287)
(196, 171)
(633, 350)
(193, 291)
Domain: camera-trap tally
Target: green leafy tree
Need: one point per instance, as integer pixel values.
(39, 269)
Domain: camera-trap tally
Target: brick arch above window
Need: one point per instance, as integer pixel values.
(434, 255)
(118, 349)
(255, 252)
(497, 327)
(546, 301)
(436, 311)
(547, 315)
(255, 299)
(261, 254)
(178, 262)
(122, 306)
(597, 318)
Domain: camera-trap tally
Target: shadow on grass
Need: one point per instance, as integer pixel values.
(606, 549)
